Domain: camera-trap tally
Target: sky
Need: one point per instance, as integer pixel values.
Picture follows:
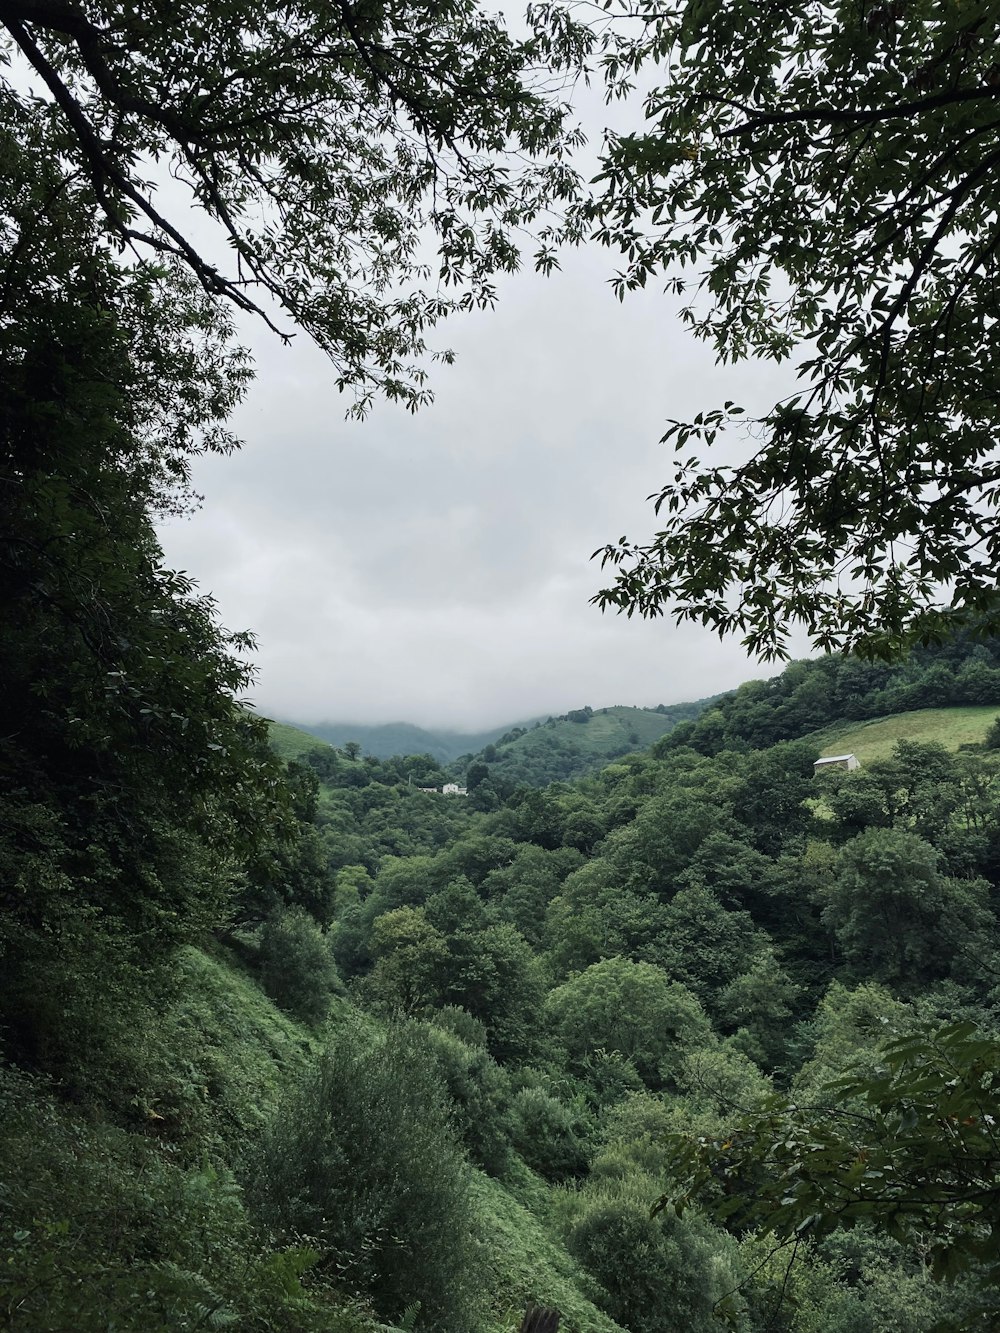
(436, 568)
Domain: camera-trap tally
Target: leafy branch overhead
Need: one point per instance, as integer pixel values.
(820, 185)
(911, 1145)
(326, 141)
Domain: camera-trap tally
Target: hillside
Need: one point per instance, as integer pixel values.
(531, 753)
(420, 1062)
(392, 738)
(290, 742)
(579, 743)
(835, 692)
(950, 727)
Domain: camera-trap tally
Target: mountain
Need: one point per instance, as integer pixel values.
(291, 742)
(580, 742)
(534, 753)
(392, 738)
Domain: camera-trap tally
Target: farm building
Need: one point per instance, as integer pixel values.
(848, 761)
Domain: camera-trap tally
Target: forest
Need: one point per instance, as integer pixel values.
(441, 1063)
(655, 1033)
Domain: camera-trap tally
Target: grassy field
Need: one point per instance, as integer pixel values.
(950, 727)
(604, 731)
(290, 743)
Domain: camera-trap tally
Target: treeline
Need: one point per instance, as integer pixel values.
(809, 695)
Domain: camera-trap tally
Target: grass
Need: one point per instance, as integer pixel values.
(526, 1266)
(289, 742)
(950, 727)
(604, 730)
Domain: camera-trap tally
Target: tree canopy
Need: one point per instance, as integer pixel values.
(911, 1145)
(820, 186)
(326, 142)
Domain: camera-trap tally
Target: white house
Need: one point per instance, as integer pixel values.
(453, 789)
(848, 761)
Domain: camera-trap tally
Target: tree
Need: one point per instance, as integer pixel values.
(896, 917)
(135, 791)
(411, 960)
(656, 1274)
(363, 1161)
(323, 141)
(491, 974)
(631, 1008)
(296, 965)
(829, 174)
(910, 1146)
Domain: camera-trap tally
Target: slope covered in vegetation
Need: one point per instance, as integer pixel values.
(564, 748)
(810, 695)
(439, 1062)
(290, 742)
(954, 728)
(383, 740)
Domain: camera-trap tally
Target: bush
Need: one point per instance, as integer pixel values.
(100, 1229)
(547, 1135)
(478, 1091)
(296, 966)
(657, 1275)
(362, 1162)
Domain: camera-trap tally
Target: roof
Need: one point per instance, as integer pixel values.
(833, 759)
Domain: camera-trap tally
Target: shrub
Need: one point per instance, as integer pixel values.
(657, 1275)
(546, 1134)
(478, 1091)
(100, 1229)
(363, 1163)
(296, 966)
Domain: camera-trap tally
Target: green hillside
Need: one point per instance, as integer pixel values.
(418, 1063)
(289, 742)
(392, 738)
(839, 692)
(535, 752)
(950, 727)
(579, 743)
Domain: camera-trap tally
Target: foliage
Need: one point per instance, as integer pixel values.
(322, 145)
(102, 1229)
(910, 1145)
(570, 747)
(478, 1093)
(895, 916)
(657, 1274)
(547, 1134)
(135, 790)
(810, 695)
(296, 967)
(828, 175)
(630, 1008)
(361, 1161)
(527, 1265)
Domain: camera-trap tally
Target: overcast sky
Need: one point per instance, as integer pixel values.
(435, 569)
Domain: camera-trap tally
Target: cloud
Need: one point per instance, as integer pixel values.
(436, 568)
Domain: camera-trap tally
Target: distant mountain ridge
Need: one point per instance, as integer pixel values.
(535, 752)
(387, 739)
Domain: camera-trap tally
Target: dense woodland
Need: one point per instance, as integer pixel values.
(434, 1063)
(695, 1039)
